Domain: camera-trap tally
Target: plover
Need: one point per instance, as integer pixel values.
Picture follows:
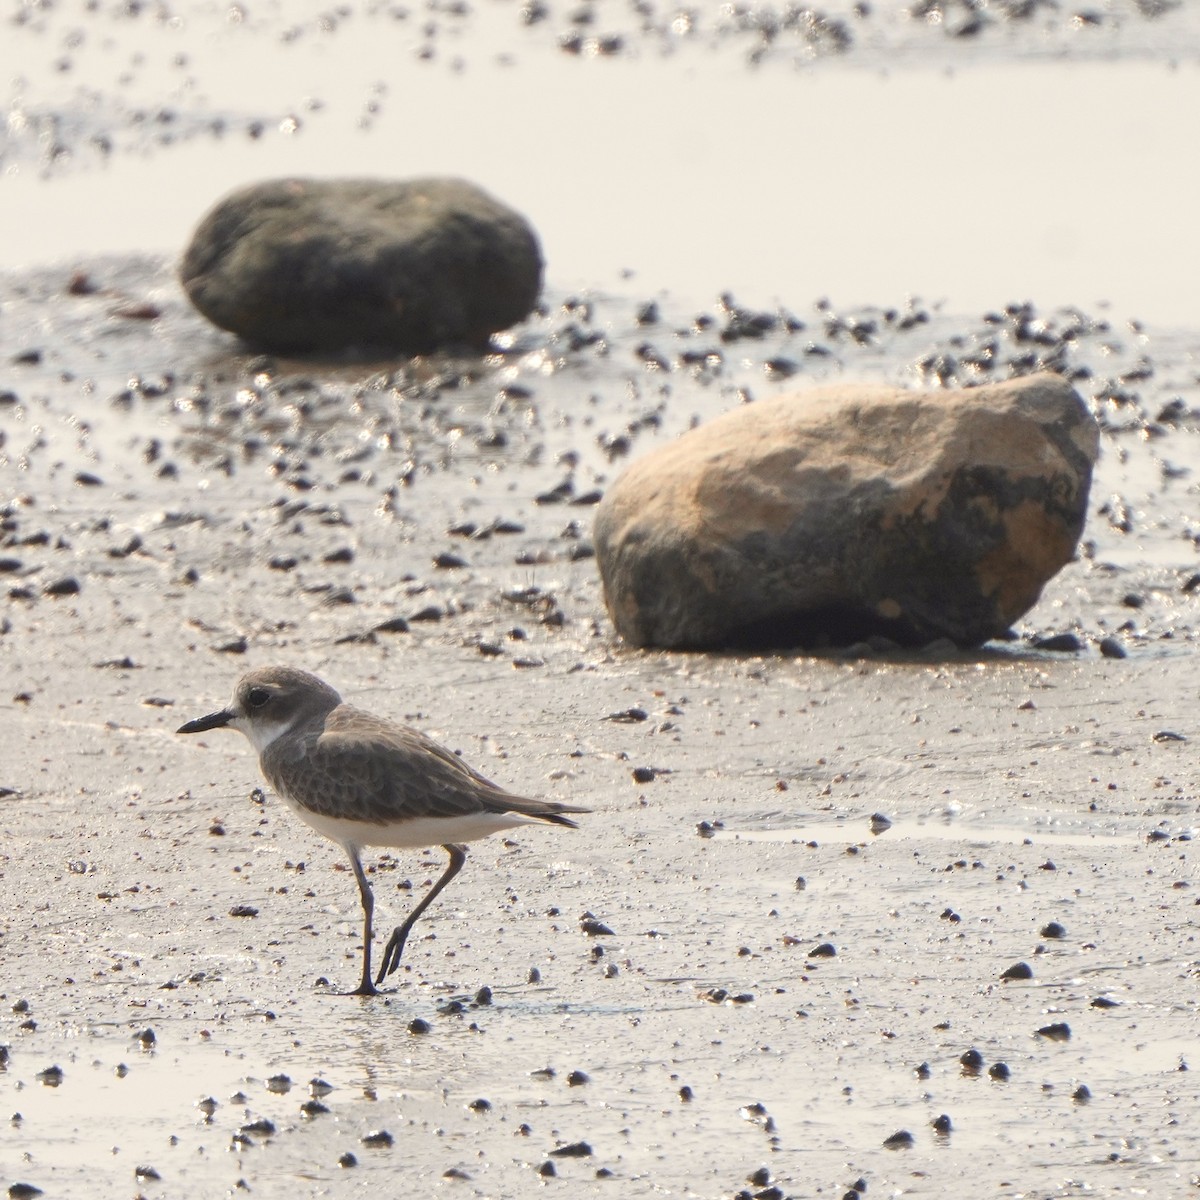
(362, 780)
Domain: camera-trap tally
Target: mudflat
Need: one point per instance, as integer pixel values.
(845, 922)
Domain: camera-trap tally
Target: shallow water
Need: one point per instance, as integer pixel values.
(889, 172)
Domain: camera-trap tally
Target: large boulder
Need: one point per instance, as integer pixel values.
(321, 265)
(833, 514)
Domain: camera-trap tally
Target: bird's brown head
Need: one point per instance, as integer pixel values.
(269, 702)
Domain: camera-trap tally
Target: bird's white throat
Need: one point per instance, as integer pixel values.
(261, 733)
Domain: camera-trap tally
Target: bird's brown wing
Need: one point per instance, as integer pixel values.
(368, 769)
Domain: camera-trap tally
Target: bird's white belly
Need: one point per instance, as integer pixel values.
(413, 833)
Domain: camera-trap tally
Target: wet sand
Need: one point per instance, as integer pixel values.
(219, 510)
(787, 984)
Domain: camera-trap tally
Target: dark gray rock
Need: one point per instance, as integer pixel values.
(839, 513)
(305, 265)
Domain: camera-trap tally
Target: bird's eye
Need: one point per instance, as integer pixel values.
(257, 697)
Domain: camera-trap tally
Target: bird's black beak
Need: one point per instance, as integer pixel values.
(212, 721)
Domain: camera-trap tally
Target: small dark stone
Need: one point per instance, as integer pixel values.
(1021, 970)
(481, 1105)
(900, 1140)
(577, 1079)
(643, 774)
(594, 928)
(547, 1170)
(243, 910)
(23, 1191)
(686, 1094)
(379, 1139)
(347, 1160)
(972, 1061)
(262, 1126)
(1105, 1002)
(483, 997)
(392, 625)
(418, 1025)
(1058, 1031)
(627, 716)
(313, 1108)
(1082, 1094)
(1059, 643)
(1053, 930)
(942, 1125)
(573, 1150)
(924, 1071)
(999, 1071)
(824, 950)
(69, 586)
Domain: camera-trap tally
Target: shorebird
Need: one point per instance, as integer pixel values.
(362, 780)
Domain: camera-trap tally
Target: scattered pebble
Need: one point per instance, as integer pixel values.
(1058, 1031)
(1020, 970)
(573, 1150)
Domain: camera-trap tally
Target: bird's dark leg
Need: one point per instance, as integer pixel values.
(366, 987)
(395, 946)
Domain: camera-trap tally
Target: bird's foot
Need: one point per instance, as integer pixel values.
(391, 956)
(366, 988)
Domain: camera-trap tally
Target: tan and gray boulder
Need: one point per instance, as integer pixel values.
(325, 264)
(834, 514)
